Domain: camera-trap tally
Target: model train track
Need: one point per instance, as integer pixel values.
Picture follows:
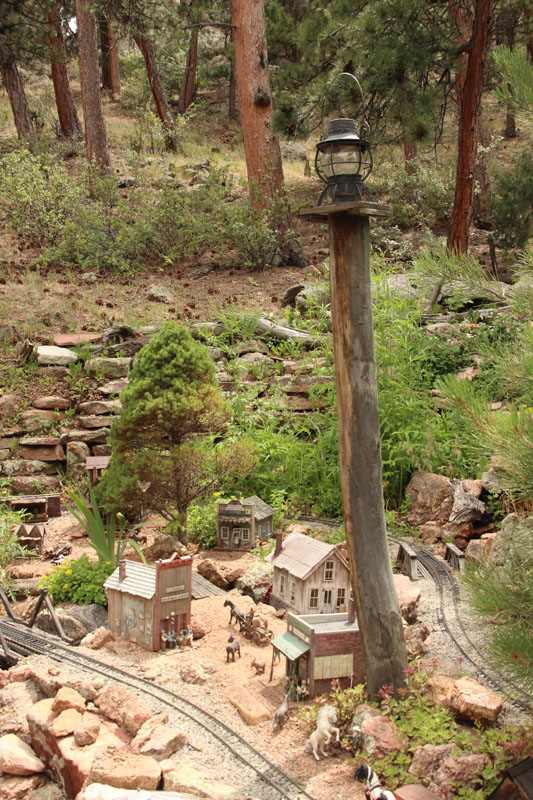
(451, 619)
(266, 779)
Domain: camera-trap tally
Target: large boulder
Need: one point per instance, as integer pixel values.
(458, 770)
(17, 757)
(162, 546)
(408, 597)
(471, 700)
(429, 497)
(189, 776)
(50, 355)
(256, 580)
(109, 367)
(157, 739)
(126, 709)
(428, 758)
(210, 571)
(72, 627)
(125, 770)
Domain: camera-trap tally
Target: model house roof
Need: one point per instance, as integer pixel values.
(140, 580)
(300, 554)
(261, 509)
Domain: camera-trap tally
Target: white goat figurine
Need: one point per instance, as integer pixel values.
(323, 733)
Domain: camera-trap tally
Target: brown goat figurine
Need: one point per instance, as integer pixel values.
(259, 666)
(232, 647)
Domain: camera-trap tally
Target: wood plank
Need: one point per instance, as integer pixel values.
(201, 587)
(358, 208)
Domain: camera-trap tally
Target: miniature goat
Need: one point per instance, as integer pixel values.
(232, 647)
(281, 713)
(259, 666)
(184, 639)
(322, 735)
(373, 790)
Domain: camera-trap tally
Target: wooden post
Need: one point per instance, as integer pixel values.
(378, 611)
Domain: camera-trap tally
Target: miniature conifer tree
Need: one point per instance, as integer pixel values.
(164, 451)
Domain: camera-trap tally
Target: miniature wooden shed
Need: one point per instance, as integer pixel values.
(310, 576)
(144, 600)
(242, 524)
(320, 648)
(38, 506)
(30, 535)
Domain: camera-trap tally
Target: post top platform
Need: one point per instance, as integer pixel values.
(355, 208)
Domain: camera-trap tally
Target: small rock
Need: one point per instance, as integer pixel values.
(251, 710)
(56, 356)
(109, 367)
(53, 402)
(475, 702)
(17, 757)
(68, 698)
(158, 294)
(65, 723)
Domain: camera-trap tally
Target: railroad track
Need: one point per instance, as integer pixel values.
(263, 778)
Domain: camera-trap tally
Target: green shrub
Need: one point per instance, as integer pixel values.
(10, 547)
(511, 203)
(80, 581)
(201, 521)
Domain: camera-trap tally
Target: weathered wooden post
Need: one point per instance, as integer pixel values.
(378, 611)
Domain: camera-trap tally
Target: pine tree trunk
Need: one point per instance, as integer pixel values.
(188, 84)
(261, 147)
(93, 117)
(16, 94)
(158, 93)
(232, 96)
(66, 110)
(470, 98)
(109, 51)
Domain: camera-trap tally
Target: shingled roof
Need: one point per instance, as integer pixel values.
(140, 580)
(261, 509)
(300, 554)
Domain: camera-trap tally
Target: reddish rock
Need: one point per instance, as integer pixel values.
(198, 626)
(53, 402)
(430, 497)
(41, 448)
(408, 597)
(72, 339)
(65, 723)
(50, 682)
(68, 698)
(209, 570)
(125, 770)
(380, 737)
(475, 702)
(430, 533)
(20, 788)
(464, 771)
(162, 742)
(463, 530)
(88, 730)
(196, 780)
(127, 710)
(415, 636)
(17, 757)
(38, 484)
(474, 487)
(439, 689)
(15, 699)
(98, 638)
(90, 421)
(428, 758)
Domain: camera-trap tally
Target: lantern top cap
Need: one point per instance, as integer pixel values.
(342, 130)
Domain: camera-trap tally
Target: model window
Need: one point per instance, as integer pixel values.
(224, 532)
(327, 597)
(328, 571)
(340, 597)
(293, 591)
(282, 584)
(245, 534)
(313, 598)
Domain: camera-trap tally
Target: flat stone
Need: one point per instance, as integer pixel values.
(93, 407)
(475, 702)
(93, 421)
(108, 367)
(68, 698)
(125, 770)
(249, 707)
(26, 484)
(53, 402)
(102, 449)
(55, 356)
(98, 791)
(34, 419)
(20, 466)
(72, 339)
(17, 757)
(98, 436)
(191, 777)
(42, 453)
(113, 387)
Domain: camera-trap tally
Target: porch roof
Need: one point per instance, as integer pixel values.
(288, 644)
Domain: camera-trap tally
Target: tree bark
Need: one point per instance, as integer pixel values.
(158, 93)
(93, 117)
(66, 110)
(261, 147)
(378, 613)
(109, 51)
(188, 84)
(16, 94)
(232, 95)
(470, 97)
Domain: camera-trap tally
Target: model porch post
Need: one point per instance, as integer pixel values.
(378, 611)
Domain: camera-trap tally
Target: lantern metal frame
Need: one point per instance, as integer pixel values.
(346, 182)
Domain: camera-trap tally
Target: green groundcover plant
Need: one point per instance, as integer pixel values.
(80, 581)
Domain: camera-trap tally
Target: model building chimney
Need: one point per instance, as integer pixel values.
(278, 536)
(121, 570)
(351, 610)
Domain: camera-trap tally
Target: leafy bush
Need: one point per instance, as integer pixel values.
(201, 522)
(10, 547)
(511, 203)
(80, 581)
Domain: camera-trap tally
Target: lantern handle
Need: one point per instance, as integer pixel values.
(364, 123)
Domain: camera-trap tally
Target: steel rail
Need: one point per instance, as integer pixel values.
(27, 643)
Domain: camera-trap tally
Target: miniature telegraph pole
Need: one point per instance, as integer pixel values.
(343, 161)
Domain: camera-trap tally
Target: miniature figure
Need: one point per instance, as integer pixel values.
(232, 647)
